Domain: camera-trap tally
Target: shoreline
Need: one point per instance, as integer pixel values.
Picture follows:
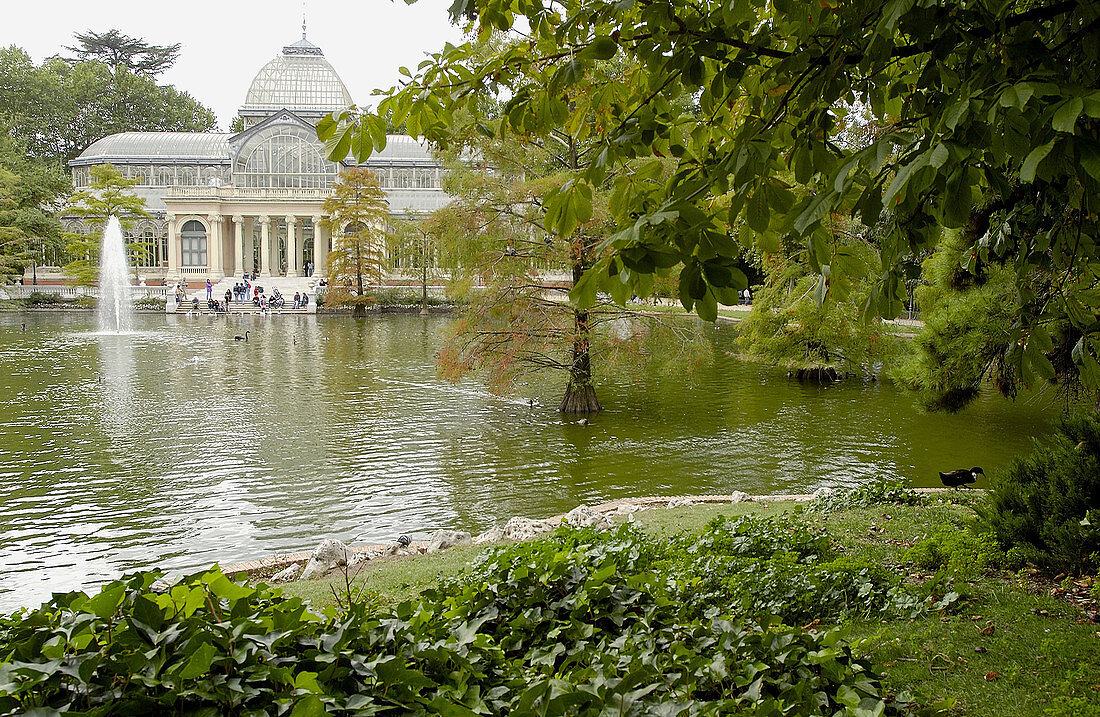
(251, 568)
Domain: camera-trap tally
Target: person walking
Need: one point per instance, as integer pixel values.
(209, 290)
(228, 299)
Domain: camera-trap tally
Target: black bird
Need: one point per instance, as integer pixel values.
(241, 338)
(403, 541)
(954, 479)
(24, 325)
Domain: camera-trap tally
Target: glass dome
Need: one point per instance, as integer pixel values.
(300, 80)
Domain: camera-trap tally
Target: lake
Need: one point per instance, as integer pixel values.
(177, 447)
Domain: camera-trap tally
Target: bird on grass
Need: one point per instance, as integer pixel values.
(238, 337)
(961, 477)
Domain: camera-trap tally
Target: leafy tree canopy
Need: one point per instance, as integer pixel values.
(57, 109)
(990, 112)
(118, 50)
(29, 191)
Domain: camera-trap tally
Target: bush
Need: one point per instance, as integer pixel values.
(149, 303)
(1038, 503)
(407, 296)
(36, 298)
(577, 624)
(962, 554)
(880, 491)
(763, 566)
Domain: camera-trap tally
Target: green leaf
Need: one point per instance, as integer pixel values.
(107, 602)
(338, 145)
(756, 212)
(1065, 117)
(957, 199)
(309, 706)
(307, 681)
(199, 662)
(1038, 361)
(583, 293)
(602, 48)
(1090, 158)
(955, 113)
(1031, 162)
(707, 306)
(223, 587)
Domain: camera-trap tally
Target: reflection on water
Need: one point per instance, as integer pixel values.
(176, 446)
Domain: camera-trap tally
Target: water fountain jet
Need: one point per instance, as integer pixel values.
(115, 312)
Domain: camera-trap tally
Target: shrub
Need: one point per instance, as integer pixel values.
(576, 624)
(149, 303)
(1037, 504)
(962, 554)
(36, 298)
(880, 491)
(754, 566)
(407, 297)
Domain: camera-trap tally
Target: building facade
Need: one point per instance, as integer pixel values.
(224, 204)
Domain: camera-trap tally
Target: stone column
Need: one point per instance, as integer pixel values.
(175, 252)
(214, 248)
(249, 252)
(319, 253)
(265, 246)
(238, 245)
(291, 245)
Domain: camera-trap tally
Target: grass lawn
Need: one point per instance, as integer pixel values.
(1006, 648)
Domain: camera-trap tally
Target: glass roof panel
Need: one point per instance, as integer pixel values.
(297, 82)
(157, 146)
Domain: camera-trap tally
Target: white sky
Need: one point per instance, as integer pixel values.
(225, 44)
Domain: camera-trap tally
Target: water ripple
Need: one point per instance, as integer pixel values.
(176, 447)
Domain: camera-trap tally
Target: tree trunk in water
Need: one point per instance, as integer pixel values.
(580, 394)
(818, 374)
(359, 310)
(424, 288)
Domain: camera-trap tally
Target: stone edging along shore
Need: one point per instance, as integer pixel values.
(266, 565)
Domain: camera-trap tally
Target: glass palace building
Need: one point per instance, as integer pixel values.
(223, 204)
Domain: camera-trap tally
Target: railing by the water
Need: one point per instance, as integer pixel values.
(74, 292)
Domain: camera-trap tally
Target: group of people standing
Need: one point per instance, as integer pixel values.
(245, 290)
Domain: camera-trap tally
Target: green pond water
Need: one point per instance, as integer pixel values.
(176, 446)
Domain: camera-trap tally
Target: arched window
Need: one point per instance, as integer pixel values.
(165, 177)
(284, 157)
(402, 178)
(193, 243)
(425, 178)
